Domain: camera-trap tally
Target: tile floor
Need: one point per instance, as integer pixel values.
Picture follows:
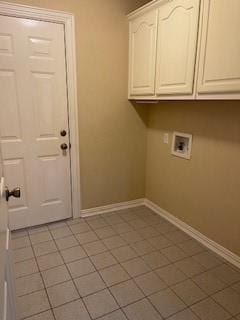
(130, 264)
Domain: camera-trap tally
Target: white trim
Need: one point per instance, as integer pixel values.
(212, 245)
(67, 19)
(149, 6)
(112, 207)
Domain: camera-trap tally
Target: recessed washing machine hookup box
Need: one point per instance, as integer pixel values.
(182, 145)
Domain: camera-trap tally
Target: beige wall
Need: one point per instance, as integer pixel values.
(205, 191)
(112, 134)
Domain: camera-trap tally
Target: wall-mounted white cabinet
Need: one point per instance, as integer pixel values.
(185, 49)
(143, 37)
(219, 59)
(176, 47)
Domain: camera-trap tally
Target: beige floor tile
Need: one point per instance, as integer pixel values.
(138, 224)
(61, 232)
(142, 247)
(56, 275)
(236, 287)
(131, 237)
(229, 300)
(155, 260)
(208, 283)
(142, 310)
(148, 232)
(105, 232)
(174, 254)
(73, 254)
(71, 311)
(113, 275)
(37, 229)
(29, 284)
(32, 304)
(190, 267)
(89, 284)
(136, 266)
(21, 242)
(122, 227)
(49, 261)
(73, 221)
(80, 228)
(189, 292)
(62, 293)
(80, 267)
(124, 253)
(150, 283)
(25, 268)
(126, 292)
(44, 248)
(171, 274)
(166, 227)
(100, 303)
(103, 260)
(86, 237)
(160, 242)
(177, 236)
(186, 314)
(23, 254)
(167, 303)
(129, 216)
(113, 219)
(97, 223)
(114, 242)
(210, 310)
(47, 315)
(58, 224)
(226, 274)
(208, 259)
(19, 233)
(115, 315)
(40, 237)
(94, 248)
(67, 242)
(192, 247)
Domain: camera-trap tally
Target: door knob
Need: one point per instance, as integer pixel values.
(63, 133)
(64, 146)
(16, 193)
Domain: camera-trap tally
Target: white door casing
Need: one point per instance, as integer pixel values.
(142, 54)
(33, 111)
(176, 47)
(219, 62)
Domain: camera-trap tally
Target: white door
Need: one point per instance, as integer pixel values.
(219, 65)
(33, 112)
(177, 46)
(142, 54)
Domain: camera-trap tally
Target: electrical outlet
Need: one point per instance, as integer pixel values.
(165, 138)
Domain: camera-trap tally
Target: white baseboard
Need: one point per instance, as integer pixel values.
(212, 245)
(112, 207)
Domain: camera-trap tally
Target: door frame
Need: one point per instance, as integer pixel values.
(67, 19)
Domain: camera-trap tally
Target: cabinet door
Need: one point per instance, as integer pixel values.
(142, 54)
(219, 62)
(177, 46)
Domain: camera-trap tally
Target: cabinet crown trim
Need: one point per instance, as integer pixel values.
(149, 6)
